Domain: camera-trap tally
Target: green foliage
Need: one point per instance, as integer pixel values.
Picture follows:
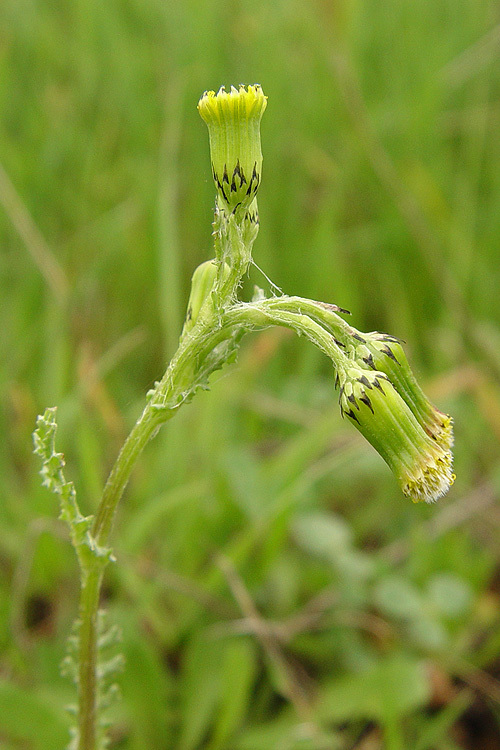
(390, 210)
(53, 478)
(32, 719)
(386, 692)
(52, 472)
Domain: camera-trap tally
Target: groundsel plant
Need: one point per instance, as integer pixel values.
(378, 393)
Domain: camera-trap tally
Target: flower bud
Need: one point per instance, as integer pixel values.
(385, 353)
(201, 285)
(421, 464)
(233, 120)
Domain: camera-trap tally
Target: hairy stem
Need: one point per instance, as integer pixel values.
(118, 479)
(87, 671)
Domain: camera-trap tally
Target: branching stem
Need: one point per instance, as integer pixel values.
(410, 434)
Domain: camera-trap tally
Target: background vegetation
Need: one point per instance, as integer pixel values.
(274, 589)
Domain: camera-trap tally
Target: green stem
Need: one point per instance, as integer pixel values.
(288, 312)
(118, 479)
(87, 672)
(322, 313)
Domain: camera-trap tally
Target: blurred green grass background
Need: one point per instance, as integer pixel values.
(273, 587)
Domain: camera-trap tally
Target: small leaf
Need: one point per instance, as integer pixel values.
(31, 719)
(450, 595)
(53, 478)
(323, 534)
(200, 689)
(436, 727)
(145, 687)
(429, 633)
(287, 732)
(238, 674)
(397, 597)
(390, 689)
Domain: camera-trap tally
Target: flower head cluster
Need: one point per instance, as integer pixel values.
(378, 391)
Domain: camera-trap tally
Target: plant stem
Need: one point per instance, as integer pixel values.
(288, 312)
(120, 473)
(87, 672)
(324, 314)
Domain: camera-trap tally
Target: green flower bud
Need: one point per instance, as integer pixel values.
(201, 286)
(421, 465)
(233, 120)
(385, 353)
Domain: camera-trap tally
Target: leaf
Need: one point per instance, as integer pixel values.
(287, 732)
(323, 534)
(391, 688)
(397, 597)
(144, 686)
(238, 674)
(450, 595)
(249, 490)
(200, 686)
(428, 633)
(53, 478)
(436, 727)
(52, 471)
(34, 719)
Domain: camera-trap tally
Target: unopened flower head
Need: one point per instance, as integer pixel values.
(385, 353)
(421, 464)
(233, 119)
(202, 284)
